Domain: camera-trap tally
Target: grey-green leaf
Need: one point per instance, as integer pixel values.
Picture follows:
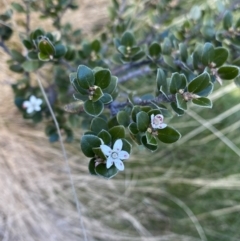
(203, 102)
(228, 72)
(200, 83)
(85, 76)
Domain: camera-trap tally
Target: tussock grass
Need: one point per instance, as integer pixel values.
(187, 192)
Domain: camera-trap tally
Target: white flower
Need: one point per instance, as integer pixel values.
(33, 104)
(157, 121)
(115, 155)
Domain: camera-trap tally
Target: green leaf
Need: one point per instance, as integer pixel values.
(75, 83)
(133, 128)
(195, 12)
(181, 103)
(169, 60)
(207, 91)
(102, 171)
(128, 39)
(199, 83)
(176, 109)
(98, 94)
(183, 51)
(161, 78)
(93, 108)
(43, 57)
(220, 56)
(46, 47)
(105, 136)
(208, 32)
(70, 54)
(166, 46)
(135, 110)
(98, 152)
(106, 98)
(117, 132)
(227, 20)
(143, 121)
(207, 54)
(123, 118)
(16, 68)
(203, 102)
(112, 122)
(98, 124)
(177, 82)
(140, 55)
(112, 86)
(85, 77)
(91, 166)
(18, 7)
(126, 146)
(31, 65)
(197, 56)
(88, 142)
(81, 97)
(96, 45)
(102, 78)
(17, 56)
(228, 72)
(60, 50)
(148, 146)
(168, 135)
(33, 55)
(151, 140)
(155, 50)
(27, 44)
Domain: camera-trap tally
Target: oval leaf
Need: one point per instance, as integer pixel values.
(220, 56)
(85, 76)
(200, 83)
(203, 102)
(103, 78)
(88, 142)
(93, 108)
(142, 121)
(105, 172)
(168, 135)
(117, 132)
(228, 72)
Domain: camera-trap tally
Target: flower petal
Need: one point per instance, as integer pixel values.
(26, 104)
(119, 164)
(37, 108)
(159, 117)
(123, 155)
(162, 126)
(152, 118)
(33, 99)
(106, 150)
(109, 162)
(30, 109)
(39, 102)
(118, 145)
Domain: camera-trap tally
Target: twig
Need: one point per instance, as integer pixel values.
(65, 158)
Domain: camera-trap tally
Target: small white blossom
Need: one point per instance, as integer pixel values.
(157, 121)
(33, 104)
(115, 155)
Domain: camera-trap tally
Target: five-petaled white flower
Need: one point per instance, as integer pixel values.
(115, 155)
(157, 121)
(33, 104)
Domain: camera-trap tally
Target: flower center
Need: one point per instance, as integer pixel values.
(114, 155)
(157, 120)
